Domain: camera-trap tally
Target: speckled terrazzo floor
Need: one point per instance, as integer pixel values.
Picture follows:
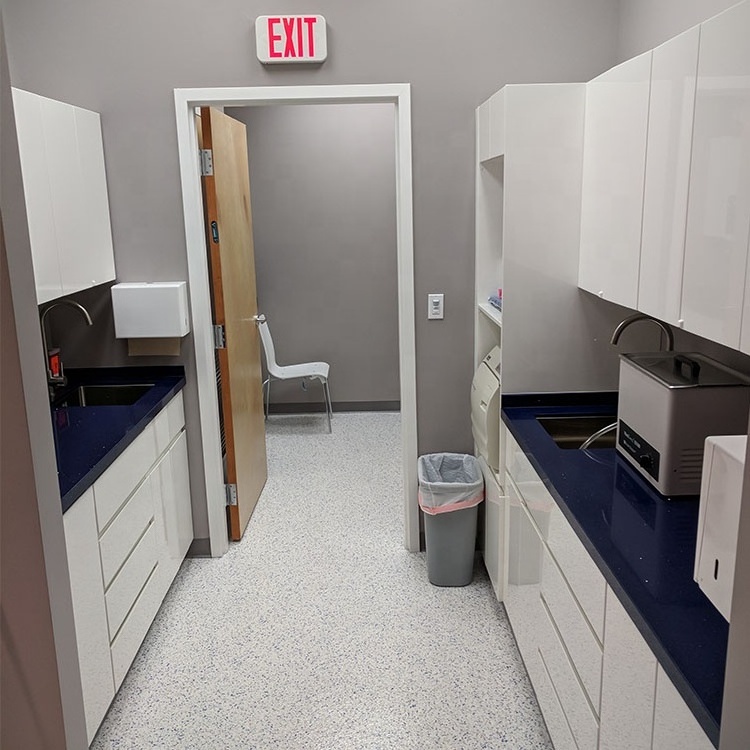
(319, 630)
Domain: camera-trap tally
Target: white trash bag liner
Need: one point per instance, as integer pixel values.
(448, 482)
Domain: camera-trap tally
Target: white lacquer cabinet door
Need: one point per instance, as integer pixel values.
(614, 162)
(173, 509)
(483, 131)
(497, 123)
(66, 187)
(494, 531)
(628, 683)
(36, 188)
(95, 238)
(716, 243)
(89, 611)
(670, 133)
(675, 727)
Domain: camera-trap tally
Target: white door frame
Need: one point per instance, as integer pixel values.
(185, 102)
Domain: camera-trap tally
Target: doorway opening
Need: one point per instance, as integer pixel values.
(186, 100)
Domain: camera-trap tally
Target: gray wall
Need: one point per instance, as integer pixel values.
(125, 59)
(644, 24)
(323, 186)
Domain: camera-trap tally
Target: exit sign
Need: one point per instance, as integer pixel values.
(291, 39)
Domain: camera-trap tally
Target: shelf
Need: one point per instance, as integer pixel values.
(492, 313)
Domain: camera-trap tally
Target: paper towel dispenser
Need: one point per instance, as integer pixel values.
(485, 408)
(150, 310)
(719, 518)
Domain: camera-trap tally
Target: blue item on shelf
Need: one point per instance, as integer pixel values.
(496, 301)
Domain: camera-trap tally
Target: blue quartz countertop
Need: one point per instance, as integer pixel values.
(643, 543)
(89, 438)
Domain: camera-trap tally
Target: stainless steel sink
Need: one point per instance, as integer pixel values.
(103, 395)
(572, 431)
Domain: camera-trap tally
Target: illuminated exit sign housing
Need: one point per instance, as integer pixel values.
(291, 39)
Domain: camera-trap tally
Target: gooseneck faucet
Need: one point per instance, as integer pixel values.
(623, 324)
(55, 374)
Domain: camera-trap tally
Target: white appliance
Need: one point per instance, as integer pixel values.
(719, 518)
(669, 403)
(485, 408)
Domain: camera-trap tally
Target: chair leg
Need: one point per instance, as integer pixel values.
(329, 408)
(267, 384)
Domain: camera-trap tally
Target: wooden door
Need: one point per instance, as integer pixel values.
(229, 238)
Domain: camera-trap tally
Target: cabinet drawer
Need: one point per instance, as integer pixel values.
(118, 482)
(494, 531)
(516, 463)
(168, 423)
(125, 646)
(522, 602)
(552, 710)
(580, 571)
(129, 581)
(124, 532)
(575, 704)
(583, 648)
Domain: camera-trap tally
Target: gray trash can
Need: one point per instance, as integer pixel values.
(451, 487)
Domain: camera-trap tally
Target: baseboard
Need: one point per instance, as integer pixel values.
(338, 406)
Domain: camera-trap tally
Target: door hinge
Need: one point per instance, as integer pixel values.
(220, 341)
(207, 162)
(231, 490)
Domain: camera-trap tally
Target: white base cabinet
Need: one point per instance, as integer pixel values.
(599, 685)
(675, 727)
(89, 610)
(126, 538)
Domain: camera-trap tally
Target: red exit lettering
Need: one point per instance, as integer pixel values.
(297, 33)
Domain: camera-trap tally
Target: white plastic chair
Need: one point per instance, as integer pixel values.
(312, 370)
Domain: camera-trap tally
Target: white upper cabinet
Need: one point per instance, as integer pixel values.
(716, 244)
(36, 187)
(670, 133)
(94, 247)
(65, 188)
(614, 162)
(491, 127)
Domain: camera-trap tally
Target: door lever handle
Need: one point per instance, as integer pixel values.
(255, 319)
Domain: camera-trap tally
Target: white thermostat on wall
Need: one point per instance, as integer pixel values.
(150, 310)
(291, 39)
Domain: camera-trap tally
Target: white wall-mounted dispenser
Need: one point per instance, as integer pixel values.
(153, 316)
(719, 518)
(151, 310)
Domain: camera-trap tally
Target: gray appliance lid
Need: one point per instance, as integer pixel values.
(686, 369)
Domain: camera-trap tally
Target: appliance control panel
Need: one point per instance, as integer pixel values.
(639, 450)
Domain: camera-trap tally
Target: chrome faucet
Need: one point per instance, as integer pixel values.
(55, 375)
(623, 324)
